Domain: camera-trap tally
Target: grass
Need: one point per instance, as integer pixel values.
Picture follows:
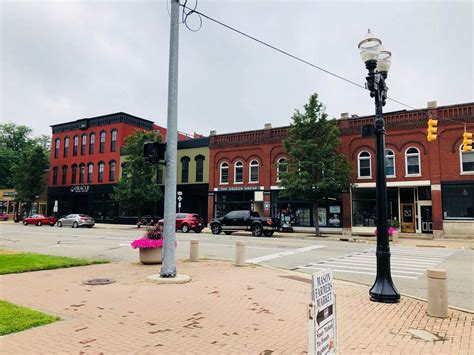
(15, 318)
(13, 262)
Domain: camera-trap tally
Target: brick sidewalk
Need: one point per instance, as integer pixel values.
(224, 309)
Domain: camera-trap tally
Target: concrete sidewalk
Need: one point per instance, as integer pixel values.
(224, 309)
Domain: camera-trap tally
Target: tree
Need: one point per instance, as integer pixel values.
(138, 186)
(316, 169)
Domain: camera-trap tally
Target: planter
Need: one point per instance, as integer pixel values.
(150, 256)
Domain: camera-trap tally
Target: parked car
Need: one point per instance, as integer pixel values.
(244, 220)
(147, 221)
(3, 216)
(187, 221)
(39, 220)
(76, 220)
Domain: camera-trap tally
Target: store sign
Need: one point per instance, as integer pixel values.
(9, 194)
(80, 188)
(238, 188)
(335, 209)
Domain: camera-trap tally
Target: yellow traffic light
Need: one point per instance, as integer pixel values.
(432, 129)
(467, 142)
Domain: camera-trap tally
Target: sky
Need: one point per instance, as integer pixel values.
(66, 60)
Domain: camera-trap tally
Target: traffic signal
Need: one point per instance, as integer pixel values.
(432, 129)
(154, 152)
(467, 142)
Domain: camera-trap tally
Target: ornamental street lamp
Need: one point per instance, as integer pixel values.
(377, 61)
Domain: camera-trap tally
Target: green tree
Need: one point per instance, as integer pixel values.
(138, 186)
(316, 169)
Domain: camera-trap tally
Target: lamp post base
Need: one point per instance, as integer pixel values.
(383, 289)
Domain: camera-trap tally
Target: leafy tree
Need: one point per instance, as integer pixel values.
(316, 169)
(138, 186)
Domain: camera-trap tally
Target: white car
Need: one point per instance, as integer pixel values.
(76, 220)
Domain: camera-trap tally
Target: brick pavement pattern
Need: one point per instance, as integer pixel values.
(224, 309)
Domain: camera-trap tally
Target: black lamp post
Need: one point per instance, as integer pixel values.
(377, 61)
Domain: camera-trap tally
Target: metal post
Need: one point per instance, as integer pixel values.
(168, 268)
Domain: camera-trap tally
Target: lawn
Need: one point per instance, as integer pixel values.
(15, 318)
(13, 262)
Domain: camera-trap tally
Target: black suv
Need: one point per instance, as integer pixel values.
(244, 220)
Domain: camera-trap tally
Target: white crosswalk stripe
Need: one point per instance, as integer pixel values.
(408, 263)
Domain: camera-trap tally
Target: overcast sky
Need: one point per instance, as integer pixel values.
(63, 60)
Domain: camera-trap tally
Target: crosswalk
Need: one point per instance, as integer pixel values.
(406, 263)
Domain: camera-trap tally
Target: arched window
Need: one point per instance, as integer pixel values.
(82, 172)
(112, 170)
(113, 140)
(83, 144)
(238, 172)
(64, 175)
(57, 145)
(199, 168)
(412, 161)
(282, 168)
(55, 175)
(101, 171)
(185, 169)
(365, 165)
(73, 173)
(90, 172)
(467, 161)
(224, 173)
(75, 145)
(66, 146)
(253, 173)
(91, 143)
(389, 163)
(102, 142)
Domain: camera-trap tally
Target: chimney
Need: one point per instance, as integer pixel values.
(344, 115)
(268, 126)
(213, 133)
(432, 104)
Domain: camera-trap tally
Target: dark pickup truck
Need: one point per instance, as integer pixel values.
(249, 221)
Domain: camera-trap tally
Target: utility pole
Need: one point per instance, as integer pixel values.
(168, 268)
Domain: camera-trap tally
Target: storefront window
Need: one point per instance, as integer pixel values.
(458, 200)
(364, 213)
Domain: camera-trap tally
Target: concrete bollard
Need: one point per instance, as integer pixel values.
(395, 237)
(194, 250)
(239, 254)
(437, 293)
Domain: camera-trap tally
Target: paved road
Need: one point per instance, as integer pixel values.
(350, 261)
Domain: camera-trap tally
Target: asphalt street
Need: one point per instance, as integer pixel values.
(350, 261)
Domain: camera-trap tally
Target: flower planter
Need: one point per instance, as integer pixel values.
(150, 256)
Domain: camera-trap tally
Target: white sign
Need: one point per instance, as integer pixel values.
(334, 209)
(322, 217)
(179, 204)
(180, 198)
(55, 203)
(55, 209)
(324, 313)
(180, 193)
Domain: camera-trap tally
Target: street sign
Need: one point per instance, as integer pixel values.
(180, 193)
(180, 198)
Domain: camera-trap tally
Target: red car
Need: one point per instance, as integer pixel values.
(3, 216)
(187, 221)
(39, 220)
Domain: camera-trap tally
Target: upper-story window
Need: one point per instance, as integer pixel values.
(101, 171)
(238, 172)
(124, 171)
(90, 172)
(75, 145)
(365, 165)
(224, 173)
(467, 161)
(412, 161)
(57, 145)
(282, 168)
(185, 169)
(253, 174)
(55, 175)
(82, 172)
(390, 163)
(113, 140)
(91, 143)
(112, 170)
(73, 173)
(102, 142)
(83, 144)
(199, 168)
(64, 175)
(66, 146)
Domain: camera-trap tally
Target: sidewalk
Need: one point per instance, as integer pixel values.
(224, 309)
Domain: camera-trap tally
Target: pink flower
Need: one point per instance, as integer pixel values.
(390, 230)
(145, 243)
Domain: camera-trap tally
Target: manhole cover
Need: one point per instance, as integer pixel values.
(96, 282)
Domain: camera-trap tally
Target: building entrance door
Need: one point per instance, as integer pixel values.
(408, 217)
(426, 214)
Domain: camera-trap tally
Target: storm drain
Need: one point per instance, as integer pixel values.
(97, 282)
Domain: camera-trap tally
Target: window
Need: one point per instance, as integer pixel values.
(253, 171)
(113, 140)
(64, 175)
(282, 168)
(55, 175)
(101, 171)
(102, 142)
(90, 172)
(73, 173)
(66, 146)
(458, 200)
(91, 143)
(82, 172)
(75, 145)
(199, 168)
(57, 145)
(239, 172)
(412, 161)
(467, 161)
(224, 173)
(112, 170)
(365, 166)
(124, 172)
(83, 144)
(389, 163)
(185, 169)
